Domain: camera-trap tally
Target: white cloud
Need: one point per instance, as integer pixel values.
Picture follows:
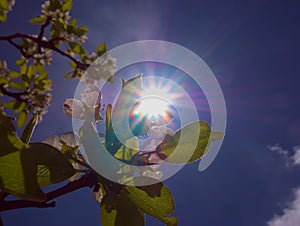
(291, 215)
(296, 156)
(293, 160)
(278, 149)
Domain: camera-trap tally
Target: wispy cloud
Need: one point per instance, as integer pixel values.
(278, 149)
(291, 213)
(292, 160)
(296, 156)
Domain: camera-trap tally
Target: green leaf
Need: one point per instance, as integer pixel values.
(82, 30)
(119, 210)
(111, 140)
(17, 179)
(13, 74)
(108, 211)
(54, 5)
(3, 16)
(17, 85)
(10, 104)
(128, 150)
(19, 106)
(22, 119)
(20, 62)
(28, 130)
(3, 80)
(66, 5)
(75, 47)
(73, 64)
(59, 166)
(37, 20)
(10, 142)
(191, 147)
(101, 48)
(155, 200)
(4, 4)
(129, 95)
(23, 172)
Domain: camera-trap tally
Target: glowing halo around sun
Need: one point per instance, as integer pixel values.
(171, 54)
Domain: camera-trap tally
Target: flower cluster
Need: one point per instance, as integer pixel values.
(32, 49)
(38, 103)
(87, 108)
(157, 134)
(50, 10)
(3, 69)
(102, 69)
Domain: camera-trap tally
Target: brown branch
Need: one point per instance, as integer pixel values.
(88, 180)
(42, 31)
(1, 223)
(20, 204)
(41, 43)
(3, 195)
(17, 96)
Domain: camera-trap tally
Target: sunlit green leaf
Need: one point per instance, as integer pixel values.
(73, 64)
(155, 200)
(22, 172)
(66, 5)
(37, 20)
(19, 106)
(22, 119)
(20, 62)
(101, 48)
(10, 142)
(10, 104)
(191, 147)
(82, 30)
(14, 170)
(75, 47)
(3, 16)
(14, 74)
(3, 80)
(4, 4)
(17, 85)
(128, 150)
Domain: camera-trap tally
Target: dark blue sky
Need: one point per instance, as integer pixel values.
(253, 49)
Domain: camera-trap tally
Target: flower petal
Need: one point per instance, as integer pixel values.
(74, 108)
(53, 141)
(71, 139)
(91, 97)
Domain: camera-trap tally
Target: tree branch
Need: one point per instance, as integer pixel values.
(88, 180)
(3, 195)
(41, 43)
(17, 96)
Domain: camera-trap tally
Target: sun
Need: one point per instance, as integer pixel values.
(152, 106)
(154, 103)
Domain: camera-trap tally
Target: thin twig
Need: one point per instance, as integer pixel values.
(88, 180)
(41, 43)
(17, 96)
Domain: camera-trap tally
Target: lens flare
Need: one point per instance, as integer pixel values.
(152, 106)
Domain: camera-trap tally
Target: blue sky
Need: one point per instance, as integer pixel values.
(253, 49)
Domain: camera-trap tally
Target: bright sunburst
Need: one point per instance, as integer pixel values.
(152, 106)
